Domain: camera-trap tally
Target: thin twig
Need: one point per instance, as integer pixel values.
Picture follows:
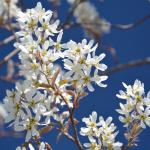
(131, 25)
(9, 80)
(69, 25)
(7, 40)
(70, 13)
(9, 56)
(130, 64)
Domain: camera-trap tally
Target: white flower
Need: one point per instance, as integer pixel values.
(80, 62)
(93, 145)
(95, 61)
(29, 123)
(102, 131)
(136, 109)
(135, 91)
(12, 105)
(144, 117)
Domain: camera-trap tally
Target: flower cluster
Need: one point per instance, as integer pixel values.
(29, 109)
(136, 109)
(46, 96)
(83, 64)
(101, 134)
(8, 9)
(87, 15)
(40, 52)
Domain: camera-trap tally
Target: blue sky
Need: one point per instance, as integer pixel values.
(130, 44)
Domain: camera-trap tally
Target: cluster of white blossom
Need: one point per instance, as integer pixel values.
(44, 98)
(87, 15)
(101, 134)
(83, 65)
(30, 109)
(40, 52)
(8, 9)
(137, 105)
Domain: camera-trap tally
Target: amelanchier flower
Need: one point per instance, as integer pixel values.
(44, 97)
(83, 65)
(29, 109)
(101, 134)
(136, 108)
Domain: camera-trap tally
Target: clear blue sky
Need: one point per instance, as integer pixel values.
(130, 45)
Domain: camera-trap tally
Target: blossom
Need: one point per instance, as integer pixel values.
(136, 107)
(80, 59)
(101, 134)
(135, 91)
(93, 145)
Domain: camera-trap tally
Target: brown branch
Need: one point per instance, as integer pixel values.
(71, 115)
(76, 138)
(131, 64)
(131, 25)
(9, 80)
(9, 56)
(55, 88)
(7, 40)
(69, 25)
(70, 13)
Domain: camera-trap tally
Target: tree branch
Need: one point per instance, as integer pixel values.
(130, 64)
(7, 40)
(9, 56)
(131, 25)
(68, 25)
